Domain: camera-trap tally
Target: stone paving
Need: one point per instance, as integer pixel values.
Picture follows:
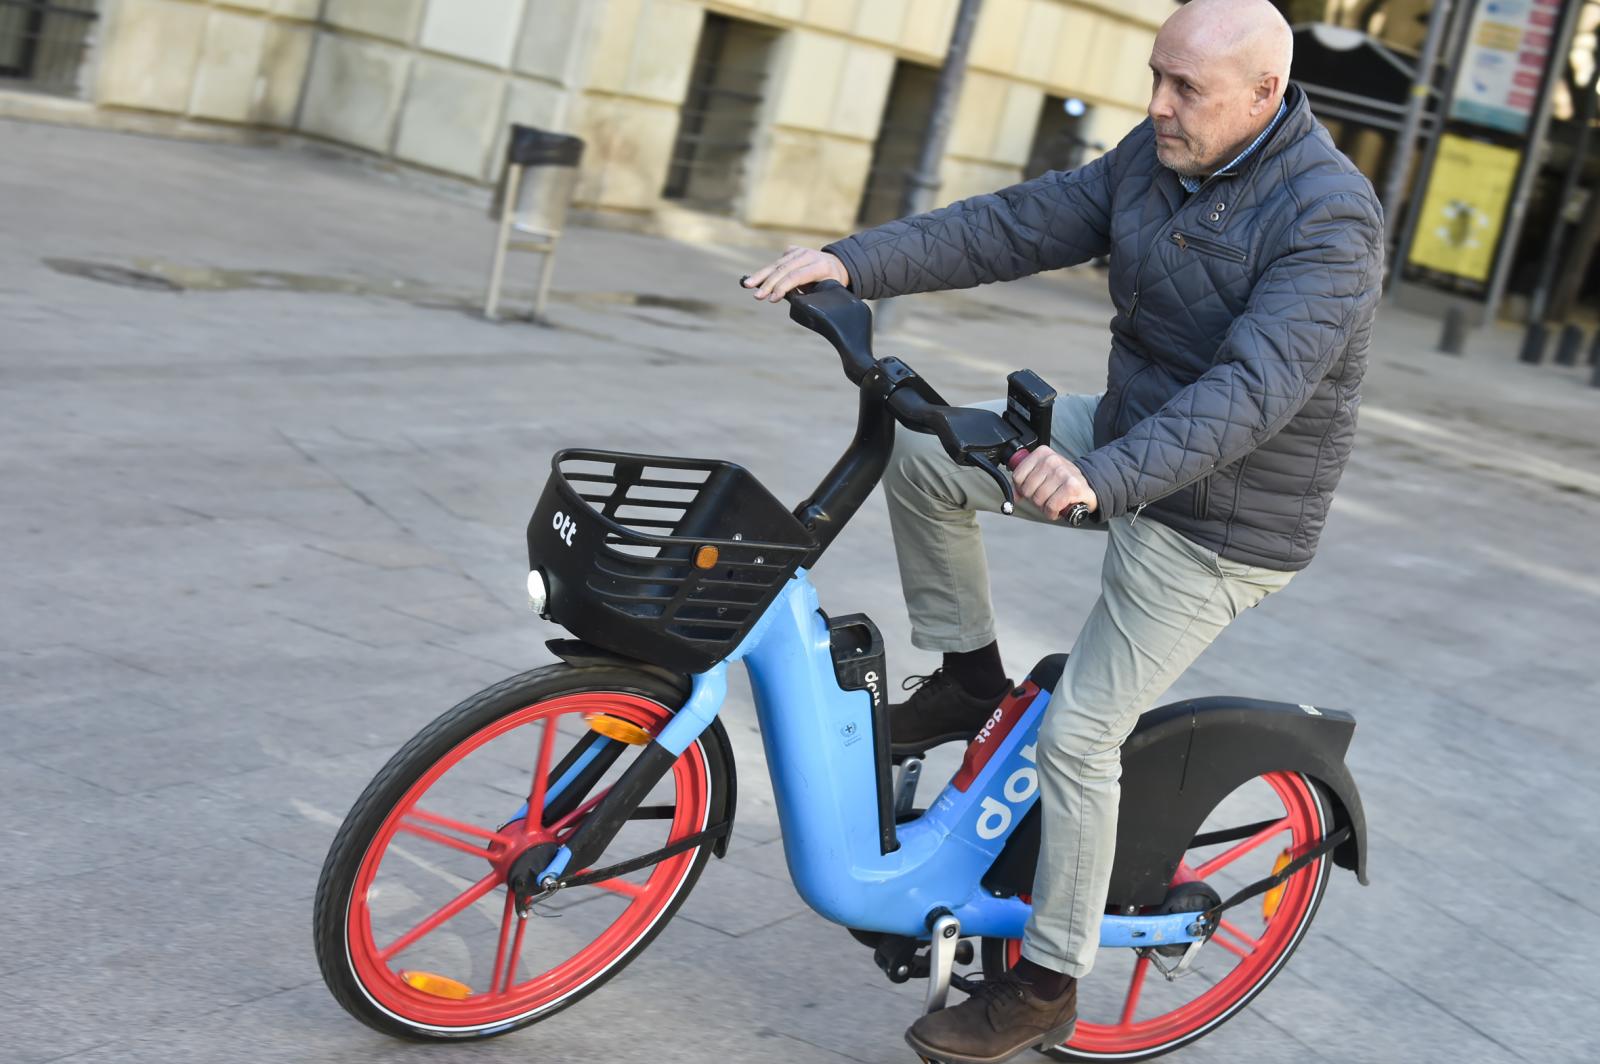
(264, 508)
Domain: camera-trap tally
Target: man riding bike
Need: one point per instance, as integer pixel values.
(1246, 256)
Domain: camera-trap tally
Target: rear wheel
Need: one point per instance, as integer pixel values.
(415, 930)
(1128, 1009)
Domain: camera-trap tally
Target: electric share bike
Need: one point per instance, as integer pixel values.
(531, 842)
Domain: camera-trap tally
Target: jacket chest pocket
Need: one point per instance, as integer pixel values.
(1205, 246)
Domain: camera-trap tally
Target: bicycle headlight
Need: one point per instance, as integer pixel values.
(537, 596)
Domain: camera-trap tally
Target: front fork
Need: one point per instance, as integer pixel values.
(536, 880)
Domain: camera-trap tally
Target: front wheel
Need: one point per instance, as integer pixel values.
(416, 933)
(1128, 1008)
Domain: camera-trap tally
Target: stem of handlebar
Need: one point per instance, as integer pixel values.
(1075, 515)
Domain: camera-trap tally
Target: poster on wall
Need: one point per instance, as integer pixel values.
(1508, 47)
(1464, 208)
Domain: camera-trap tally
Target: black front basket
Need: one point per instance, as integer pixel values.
(668, 560)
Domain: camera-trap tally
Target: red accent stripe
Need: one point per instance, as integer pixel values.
(982, 748)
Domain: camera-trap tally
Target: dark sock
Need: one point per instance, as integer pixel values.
(979, 672)
(1046, 982)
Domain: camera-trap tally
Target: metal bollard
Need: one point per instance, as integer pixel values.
(1454, 338)
(1594, 348)
(1594, 378)
(1533, 342)
(1568, 344)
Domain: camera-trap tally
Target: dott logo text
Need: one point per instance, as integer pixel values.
(565, 527)
(994, 816)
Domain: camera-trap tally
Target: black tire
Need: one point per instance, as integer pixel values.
(339, 870)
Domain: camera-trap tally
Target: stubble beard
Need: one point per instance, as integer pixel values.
(1180, 158)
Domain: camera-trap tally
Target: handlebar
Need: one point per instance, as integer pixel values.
(971, 436)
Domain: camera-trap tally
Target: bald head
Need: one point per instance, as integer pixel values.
(1249, 35)
(1220, 68)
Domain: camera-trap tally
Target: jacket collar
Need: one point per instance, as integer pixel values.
(1297, 122)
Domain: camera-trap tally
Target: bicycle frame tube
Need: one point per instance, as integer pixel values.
(819, 749)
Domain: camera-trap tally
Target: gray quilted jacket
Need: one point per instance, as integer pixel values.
(1243, 316)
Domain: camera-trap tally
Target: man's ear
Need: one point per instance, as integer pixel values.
(1266, 88)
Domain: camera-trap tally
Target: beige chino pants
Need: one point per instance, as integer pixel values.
(1163, 599)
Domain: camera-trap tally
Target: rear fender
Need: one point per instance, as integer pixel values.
(1183, 759)
(580, 655)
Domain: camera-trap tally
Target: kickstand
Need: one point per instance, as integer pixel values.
(941, 959)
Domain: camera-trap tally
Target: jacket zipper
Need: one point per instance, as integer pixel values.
(1133, 306)
(1208, 247)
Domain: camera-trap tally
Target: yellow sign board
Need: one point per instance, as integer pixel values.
(1464, 208)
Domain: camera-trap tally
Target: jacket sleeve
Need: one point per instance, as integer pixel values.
(1059, 219)
(1297, 322)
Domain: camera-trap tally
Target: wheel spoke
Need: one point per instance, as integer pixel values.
(476, 850)
(1141, 968)
(506, 920)
(1235, 852)
(516, 955)
(1233, 929)
(1230, 947)
(541, 773)
(452, 908)
(460, 827)
(621, 886)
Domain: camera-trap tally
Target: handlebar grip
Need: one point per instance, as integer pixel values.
(1075, 515)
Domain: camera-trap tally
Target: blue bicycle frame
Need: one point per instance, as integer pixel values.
(819, 749)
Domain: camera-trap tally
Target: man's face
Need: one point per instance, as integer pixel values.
(1203, 108)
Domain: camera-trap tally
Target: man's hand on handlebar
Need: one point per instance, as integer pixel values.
(1052, 483)
(797, 266)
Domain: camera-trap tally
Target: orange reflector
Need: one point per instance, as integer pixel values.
(705, 557)
(1269, 902)
(437, 985)
(618, 729)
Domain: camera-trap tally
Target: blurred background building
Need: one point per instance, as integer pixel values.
(792, 116)
(798, 115)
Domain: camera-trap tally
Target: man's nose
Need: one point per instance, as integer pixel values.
(1160, 103)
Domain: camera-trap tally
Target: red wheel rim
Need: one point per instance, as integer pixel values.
(377, 968)
(1258, 957)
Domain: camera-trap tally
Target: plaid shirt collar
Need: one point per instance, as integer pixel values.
(1192, 184)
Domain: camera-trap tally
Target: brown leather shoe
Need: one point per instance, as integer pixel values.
(1002, 1019)
(939, 711)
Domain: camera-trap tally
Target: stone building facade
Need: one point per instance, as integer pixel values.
(770, 112)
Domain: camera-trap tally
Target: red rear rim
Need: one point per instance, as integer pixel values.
(1256, 946)
(514, 993)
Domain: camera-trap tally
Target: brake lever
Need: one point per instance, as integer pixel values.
(1009, 506)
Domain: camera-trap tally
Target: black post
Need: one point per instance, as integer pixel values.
(1454, 337)
(1569, 344)
(1594, 349)
(1533, 341)
(923, 182)
(1405, 142)
(1569, 185)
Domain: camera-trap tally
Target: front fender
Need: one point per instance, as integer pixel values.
(579, 655)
